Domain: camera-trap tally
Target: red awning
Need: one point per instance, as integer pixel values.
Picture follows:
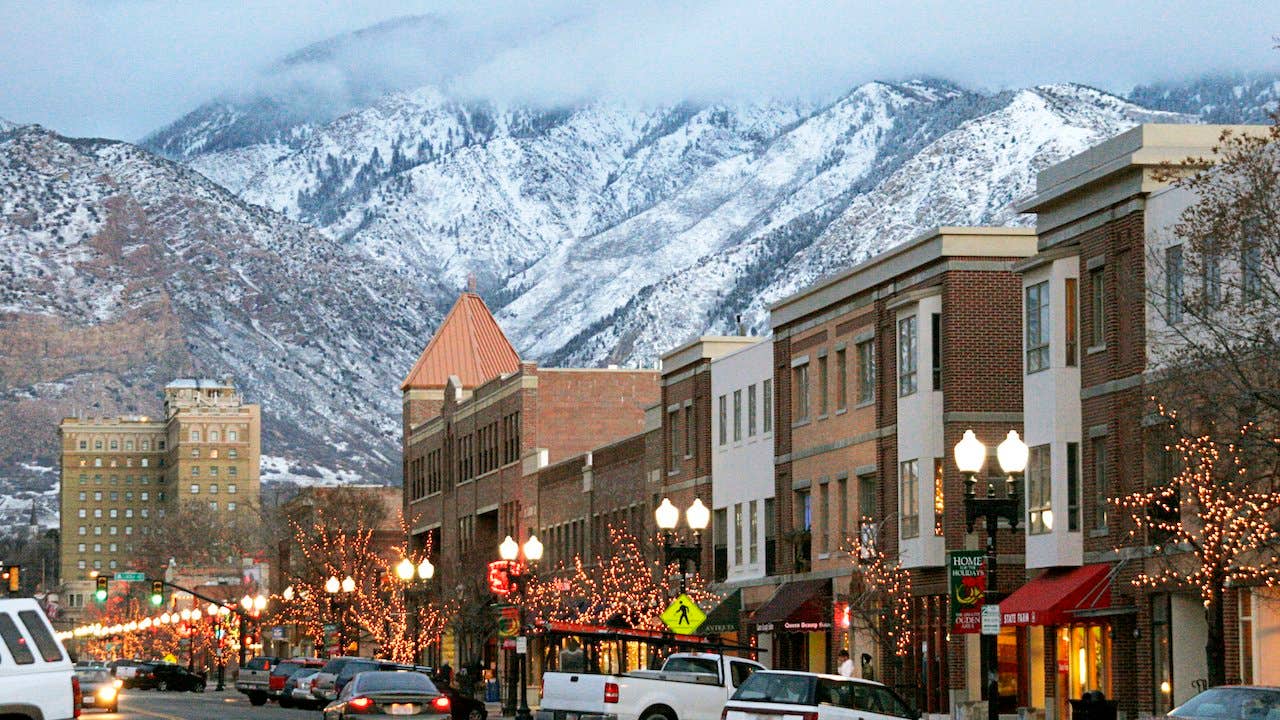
(1052, 598)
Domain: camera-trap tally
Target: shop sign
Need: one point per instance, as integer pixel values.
(967, 570)
(508, 621)
(500, 574)
(842, 617)
(805, 625)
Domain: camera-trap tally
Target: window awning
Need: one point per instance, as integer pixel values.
(802, 606)
(1055, 597)
(725, 617)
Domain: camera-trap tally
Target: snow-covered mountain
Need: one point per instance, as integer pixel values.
(306, 240)
(120, 270)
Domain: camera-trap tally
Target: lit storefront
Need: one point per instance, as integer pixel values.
(798, 617)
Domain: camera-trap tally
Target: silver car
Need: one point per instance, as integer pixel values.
(389, 694)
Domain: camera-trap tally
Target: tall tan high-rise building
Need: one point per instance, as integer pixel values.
(122, 475)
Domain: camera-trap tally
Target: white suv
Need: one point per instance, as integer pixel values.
(37, 681)
(778, 693)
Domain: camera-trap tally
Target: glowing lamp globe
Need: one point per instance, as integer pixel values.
(405, 569)
(666, 515)
(533, 549)
(509, 550)
(426, 570)
(698, 515)
(1012, 453)
(260, 603)
(288, 594)
(332, 585)
(348, 584)
(970, 453)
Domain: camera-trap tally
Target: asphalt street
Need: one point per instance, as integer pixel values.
(211, 705)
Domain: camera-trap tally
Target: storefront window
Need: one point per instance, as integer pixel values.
(1084, 662)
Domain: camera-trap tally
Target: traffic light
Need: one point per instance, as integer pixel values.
(101, 592)
(157, 593)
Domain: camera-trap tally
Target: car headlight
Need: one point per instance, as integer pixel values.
(107, 693)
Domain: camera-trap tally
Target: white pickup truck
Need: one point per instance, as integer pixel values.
(690, 686)
(36, 677)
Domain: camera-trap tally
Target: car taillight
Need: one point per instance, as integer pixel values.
(611, 692)
(360, 704)
(76, 695)
(440, 704)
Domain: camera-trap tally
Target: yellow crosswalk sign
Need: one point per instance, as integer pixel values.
(683, 615)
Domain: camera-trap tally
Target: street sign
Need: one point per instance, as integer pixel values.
(522, 645)
(131, 577)
(277, 633)
(990, 619)
(683, 616)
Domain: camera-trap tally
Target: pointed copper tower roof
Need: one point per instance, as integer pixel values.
(469, 344)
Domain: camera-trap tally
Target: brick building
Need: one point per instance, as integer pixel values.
(480, 424)
(878, 371)
(1100, 217)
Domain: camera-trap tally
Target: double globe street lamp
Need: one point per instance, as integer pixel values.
(408, 573)
(971, 455)
(333, 587)
(517, 581)
(668, 516)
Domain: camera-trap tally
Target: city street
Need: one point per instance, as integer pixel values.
(225, 705)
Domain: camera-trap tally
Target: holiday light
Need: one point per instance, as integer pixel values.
(884, 604)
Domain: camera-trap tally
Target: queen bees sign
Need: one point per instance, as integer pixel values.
(967, 570)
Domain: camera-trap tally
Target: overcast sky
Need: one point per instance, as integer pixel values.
(121, 68)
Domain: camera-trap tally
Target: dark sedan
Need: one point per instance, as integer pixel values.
(1232, 702)
(99, 688)
(389, 694)
(165, 676)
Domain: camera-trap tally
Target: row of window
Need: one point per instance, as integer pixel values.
(830, 511)
(575, 539)
(765, 414)
(212, 489)
(114, 495)
(863, 376)
(115, 462)
(115, 512)
(213, 454)
(214, 436)
(114, 529)
(213, 470)
(128, 480)
(484, 451)
(144, 445)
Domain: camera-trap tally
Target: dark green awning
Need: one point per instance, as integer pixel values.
(725, 617)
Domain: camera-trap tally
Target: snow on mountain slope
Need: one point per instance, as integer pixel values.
(120, 271)
(970, 175)
(1247, 98)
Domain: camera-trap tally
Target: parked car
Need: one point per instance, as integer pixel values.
(690, 686)
(280, 675)
(814, 696)
(1231, 702)
(463, 707)
(124, 669)
(360, 665)
(36, 677)
(388, 694)
(253, 680)
(322, 686)
(298, 689)
(165, 676)
(99, 688)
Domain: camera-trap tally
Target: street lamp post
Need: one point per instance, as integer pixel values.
(667, 517)
(407, 573)
(346, 586)
(253, 607)
(970, 455)
(518, 581)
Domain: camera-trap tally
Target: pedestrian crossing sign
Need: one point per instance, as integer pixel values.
(683, 615)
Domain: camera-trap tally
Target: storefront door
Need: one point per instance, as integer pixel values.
(1084, 663)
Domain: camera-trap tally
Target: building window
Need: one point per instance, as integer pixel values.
(231, 489)
(822, 386)
(1037, 326)
(195, 489)
(766, 405)
(97, 512)
(804, 511)
(689, 445)
(128, 529)
(724, 419)
(801, 391)
(81, 512)
(160, 444)
(1073, 487)
(144, 512)
(84, 445)
(146, 444)
(84, 530)
(195, 436)
(1097, 309)
(80, 547)
(751, 411)
(866, 372)
(231, 470)
(737, 534)
(1246, 635)
(144, 462)
(97, 494)
(213, 436)
(83, 495)
(935, 350)
(232, 436)
(720, 542)
(939, 498)
(909, 494)
(213, 488)
(213, 453)
(80, 564)
(1173, 284)
(1071, 307)
(737, 415)
(673, 436)
(1039, 491)
(115, 444)
(213, 505)
(213, 470)
(97, 444)
(842, 380)
(232, 453)
(824, 518)
(753, 553)
(907, 336)
(1101, 485)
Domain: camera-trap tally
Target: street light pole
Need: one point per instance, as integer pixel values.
(970, 454)
(406, 572)
(667, 517)
(509, 551)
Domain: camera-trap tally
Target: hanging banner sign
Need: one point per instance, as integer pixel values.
(967, 570)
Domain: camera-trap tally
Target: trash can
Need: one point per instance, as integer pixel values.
(1093, 705)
